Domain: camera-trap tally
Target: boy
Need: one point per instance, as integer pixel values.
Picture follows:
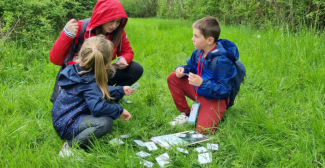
(197, 80)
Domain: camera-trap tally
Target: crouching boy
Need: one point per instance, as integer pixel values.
(204, 84)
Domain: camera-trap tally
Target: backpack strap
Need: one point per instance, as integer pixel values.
(213, 67)
(75, 49)
(214, 63)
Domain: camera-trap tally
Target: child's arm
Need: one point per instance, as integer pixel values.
(224, 74)
(98, 106)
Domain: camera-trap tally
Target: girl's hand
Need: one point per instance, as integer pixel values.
(72, 26)
(127, 90)
(179, 72)
(195, 80)
(125, 114)
(122, 62)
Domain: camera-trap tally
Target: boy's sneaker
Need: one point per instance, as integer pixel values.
(66, 151)
(179, 120)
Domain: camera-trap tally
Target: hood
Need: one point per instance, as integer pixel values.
(227, 48)
(105, 11)
(70, 77)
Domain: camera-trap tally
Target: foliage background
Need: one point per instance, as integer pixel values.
(37, 20)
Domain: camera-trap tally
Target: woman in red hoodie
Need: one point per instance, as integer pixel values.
(109, 19)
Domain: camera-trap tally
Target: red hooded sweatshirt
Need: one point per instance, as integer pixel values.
(104, 11)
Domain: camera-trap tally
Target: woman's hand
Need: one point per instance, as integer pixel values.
(122, 62)
(195, 80)
(125, 114)
(127, 90)
(179, 72)
(72, 26)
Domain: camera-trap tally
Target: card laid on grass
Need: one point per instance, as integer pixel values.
(180, 139)
(151, 146)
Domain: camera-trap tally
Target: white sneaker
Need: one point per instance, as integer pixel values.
(179, 120)
(66, 151)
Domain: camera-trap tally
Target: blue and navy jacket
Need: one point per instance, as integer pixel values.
(217, 84)
(81, 96)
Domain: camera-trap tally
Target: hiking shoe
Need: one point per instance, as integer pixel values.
(67, 151)
(179, 120)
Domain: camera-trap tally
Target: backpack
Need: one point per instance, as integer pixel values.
(239, 78)
(73, 50)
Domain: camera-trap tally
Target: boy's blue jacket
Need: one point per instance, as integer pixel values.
(215, 85)
(81, 96)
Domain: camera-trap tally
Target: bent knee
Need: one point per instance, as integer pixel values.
(171, 76)
(105, 125)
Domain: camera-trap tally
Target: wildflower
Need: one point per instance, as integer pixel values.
(258, 36)
(5, 54)
(8, 52)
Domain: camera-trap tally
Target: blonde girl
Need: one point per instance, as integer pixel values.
(82, 110)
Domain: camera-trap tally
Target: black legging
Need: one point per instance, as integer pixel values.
(91, 127)
(127, 76)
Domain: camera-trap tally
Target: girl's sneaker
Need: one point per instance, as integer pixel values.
(179, 120)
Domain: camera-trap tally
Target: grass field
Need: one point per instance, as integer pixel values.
(277, 121)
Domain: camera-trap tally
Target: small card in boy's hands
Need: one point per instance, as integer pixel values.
(134, 86)
(185, 74)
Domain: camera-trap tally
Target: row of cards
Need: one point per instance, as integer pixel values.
(150, 145)
(164, 158)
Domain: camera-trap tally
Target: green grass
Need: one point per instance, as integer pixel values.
(277, 120)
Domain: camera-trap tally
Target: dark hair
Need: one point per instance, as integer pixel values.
(115, 36)
(209, 27)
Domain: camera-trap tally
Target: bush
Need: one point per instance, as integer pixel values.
(259, 13)
(140, 8)
(37, 20)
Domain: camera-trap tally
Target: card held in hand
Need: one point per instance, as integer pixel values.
(134, 86)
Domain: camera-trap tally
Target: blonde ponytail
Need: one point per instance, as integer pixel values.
(96, 54)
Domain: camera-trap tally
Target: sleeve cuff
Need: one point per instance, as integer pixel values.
(69, 33)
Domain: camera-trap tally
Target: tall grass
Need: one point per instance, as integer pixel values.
(277, 120)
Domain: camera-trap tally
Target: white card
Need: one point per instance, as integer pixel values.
(194, 112)
(116, 141)
(139, 142)
(191, 132)
(182, 150)
(146, 163)
(197, 136)
(163, 159)
(134, 86)
(151, 146)
(181, 135)
(125, 136)
(213, 146)
(201, 149)
(205, 158)
(143, 154)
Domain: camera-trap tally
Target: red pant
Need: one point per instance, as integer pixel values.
(210, 111)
